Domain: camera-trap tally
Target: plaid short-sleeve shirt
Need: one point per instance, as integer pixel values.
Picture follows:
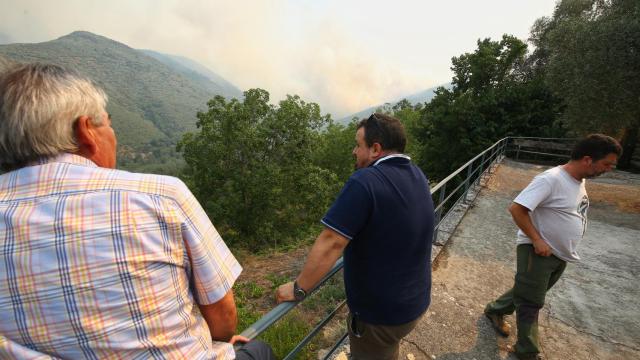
(105, 264)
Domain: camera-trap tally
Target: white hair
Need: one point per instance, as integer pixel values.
(39, 105)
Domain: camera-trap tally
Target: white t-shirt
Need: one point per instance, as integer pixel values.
(558, 204)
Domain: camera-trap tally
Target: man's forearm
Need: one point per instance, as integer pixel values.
(522, 219)
(323, 255)
(221, 317)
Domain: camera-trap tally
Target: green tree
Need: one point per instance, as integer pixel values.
(335, 147)
(494, 94)
(589, 50)
(252, 167)
(409, 115)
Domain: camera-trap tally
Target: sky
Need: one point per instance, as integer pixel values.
(345, 55)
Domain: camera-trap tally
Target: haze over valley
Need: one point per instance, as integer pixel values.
(153, 97)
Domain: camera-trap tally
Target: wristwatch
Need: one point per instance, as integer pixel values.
(298, 293)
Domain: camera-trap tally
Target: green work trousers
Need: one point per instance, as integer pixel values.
(535, 275)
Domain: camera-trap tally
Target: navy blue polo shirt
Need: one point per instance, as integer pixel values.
(386, 212)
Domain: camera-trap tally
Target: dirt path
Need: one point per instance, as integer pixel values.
(592, 313)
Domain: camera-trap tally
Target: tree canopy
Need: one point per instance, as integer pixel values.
(494, 94)
(264, 173)
(589, 51)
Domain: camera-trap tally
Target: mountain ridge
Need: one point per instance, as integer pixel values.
(152, 102)
(196, 71)
(415, 98)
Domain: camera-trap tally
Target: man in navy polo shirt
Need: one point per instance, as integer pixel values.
(383, 220)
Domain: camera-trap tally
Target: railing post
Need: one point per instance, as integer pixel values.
(491, 160)
(466, 181)
(481, 170)
(292, 354)
(443, 191)
(503, 149)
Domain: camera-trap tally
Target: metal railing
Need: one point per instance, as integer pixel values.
(547, 148)
(475, 169)
(444, 202)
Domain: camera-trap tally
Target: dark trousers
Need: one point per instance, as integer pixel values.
(379, 342)
(255, 350)
(535, 275)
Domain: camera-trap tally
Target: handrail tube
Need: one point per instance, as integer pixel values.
(475, 174)
(490, 161)
(449, 212)
(470, 174)
(440, 204)
(336, 346)
(541, 153)
(475, 171)
(466, 181)
(453, 174)
(282, 309)
(453, 192)
(493, 153)
(505, 139)
(437, 226)
(438, 214)
(482, 169)
(539, 138)
(441, 200)
(313, 332)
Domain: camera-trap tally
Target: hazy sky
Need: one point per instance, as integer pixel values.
(345, 55)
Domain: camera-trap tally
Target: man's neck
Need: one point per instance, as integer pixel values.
(385, 153)
(384, 156)
(574, 170)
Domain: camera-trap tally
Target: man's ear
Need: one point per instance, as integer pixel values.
(83, 131)
(377, 149)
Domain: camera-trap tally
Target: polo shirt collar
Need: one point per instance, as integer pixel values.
(391, 156)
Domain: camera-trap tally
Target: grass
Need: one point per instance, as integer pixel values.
(249, 290)
(277, 280)
(286, 333)
(327, 297)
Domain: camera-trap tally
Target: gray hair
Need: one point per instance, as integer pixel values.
(39, 105)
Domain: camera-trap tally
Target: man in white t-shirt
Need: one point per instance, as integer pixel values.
(551, 214)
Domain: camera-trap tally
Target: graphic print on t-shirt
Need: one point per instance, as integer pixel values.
(582, 210)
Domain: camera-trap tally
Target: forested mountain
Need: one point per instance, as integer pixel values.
(197, 73)
(417, 98)
(153, 100)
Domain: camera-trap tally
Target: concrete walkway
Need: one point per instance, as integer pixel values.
(593, 312)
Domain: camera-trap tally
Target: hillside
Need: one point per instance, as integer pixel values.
(419, 97)
(197, 73)
(152, 102)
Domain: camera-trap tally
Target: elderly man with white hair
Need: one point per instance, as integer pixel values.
(99, 263)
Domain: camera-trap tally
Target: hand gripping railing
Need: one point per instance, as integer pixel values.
(476, 169)
(282, 309)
